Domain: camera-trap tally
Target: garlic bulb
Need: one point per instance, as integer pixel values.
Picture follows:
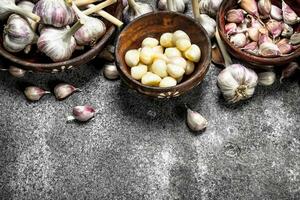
(17, 34)
(82, 113)
(110, 71)
(91, 31)
(54, 12)
(208, 23)
(8, 7)
(135, 9)
(266, 78)
(195, 121)
(295, 38)
(176, 5)
(59, 44)
(33, 93)
(289, 16)
(210, 7)
(63, 90)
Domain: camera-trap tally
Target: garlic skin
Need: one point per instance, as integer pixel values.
(210, 7)
(16, 72)
(83, 113)
(110, 72)
(58, 44)
(239, 40)
(266, 78)
(264, 7)
(17, 34)
(54, 12)
(235, 16)
(274, 27)
(230, 28)
(33, 93)
(64, 90)
(276, 13)
(237, 82)
(289, 16)
(135, 9)
(195, 121)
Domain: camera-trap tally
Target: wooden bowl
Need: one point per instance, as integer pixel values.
(154, 25)
(36, 62)
(260, 62)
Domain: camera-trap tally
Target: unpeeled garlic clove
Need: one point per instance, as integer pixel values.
(33, 93)
(251, 48)
(16, 72)
(276, 13)
(274, 27)
(135, 9)
(287, 31)
(264, 7)
(289, 71)
(250, 6)
(82, 113)
(239, 40)
(269, 49)
(195, 121)
(289, 16)
(230, 28)
(284, 46)
(266, 78)
(264, 37)
(295, 38)
(235, 16)
(110, 71)
(64, 90)
(176, 5)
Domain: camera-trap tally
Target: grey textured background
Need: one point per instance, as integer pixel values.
(140, 148)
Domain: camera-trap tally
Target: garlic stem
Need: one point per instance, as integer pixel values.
(196, 9)
(99, 6)
(107, 16)
(74, 29)
(132, 4)
(84, 2)
(222, 47)
(22, 12)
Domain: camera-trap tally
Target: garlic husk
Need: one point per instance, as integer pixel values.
(276, 13)
(208, 23)
(91, 31)
(59, 44)
(264, 37)
(135, 9)
(17, 34)
(284, 46)
(82, 113)
(210, 7)
(64, 90)
(195, 121)
(289, 71)
(235, 16)
(110, 71)
(16, 71)
(266, 78)
(8, 7)
(176, 5)
(269, 49)
(54, 12)
(264, 7)
(287, 31)
(237, 83)
(295, 38)
(239, 40)
(274, 27)
(33, 93)
(289, 16)
(250, 6)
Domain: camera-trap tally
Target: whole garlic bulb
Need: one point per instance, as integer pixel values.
(17, 34)
(54, 12)
(135, 9)
(176, 5)
(210, 7)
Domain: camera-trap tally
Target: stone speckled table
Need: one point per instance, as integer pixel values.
(140, 148)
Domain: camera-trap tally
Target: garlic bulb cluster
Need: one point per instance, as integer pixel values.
(289, 15)
(208, 23)
(135, 9)
(210, 7)
(54, 12)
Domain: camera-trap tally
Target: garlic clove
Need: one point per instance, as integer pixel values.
(179, 34)
(168, 82)
(295, 38)
(274, 27)
(159, 67)
(162, 4)
(147, 55)
(264, 7)
(210, 7)
(175, 71)
(135, 9)
(64, 90)
(180, 61)
(183, 44)
(230, 28)
(110, 71)
(132, 57)
(33, 93)
(250, 6)
(264, 37)
(287, 31)
(158, 50)
(176, 5)
(289, 71)
(195, 121)
(139, 71)
(16, 72)
(235, 16)
(193, 53)
(82, 113)
(151, 79)
(251, 48)
(284, 46)
(289, 16)
(253, 33)
(276, 13)
(268, 49)
(239, 40)
(266, 78)
(166, 40)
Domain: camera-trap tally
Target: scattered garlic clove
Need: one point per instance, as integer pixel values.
(264, 7)
(239, 40)
(266, 78)
(276, 13)
(159, 67)
(179, 34)
(150, 42)
(190, 67)
(158, 50)
(110, 71)
(139, 71)
(151, 79)
(16, 72)
(33, 93)
(175, 71)
(269, 49)
(235, 16)
(287, 31)
(183, 44)
(64, 90)
(284, 46)
(193, 53)
(274, 27)
(180, 61)
(147, 55)
(132, 57)
(82, 113)
(168, 82)
(166, 40)
(195, 121)
(179, 80)
(172, 52)
(295, 38)
(289, 16)
(250, 6)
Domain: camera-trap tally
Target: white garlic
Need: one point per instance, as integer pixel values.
(82, 113)
(135, 9)
(237, 82)
(168, 82)
(151, 79)
(190, 67)
(64, 90)
(132, 57)
(139, 71)
(110, 71)
(175, 71)
(183, 44)
(195, 121)
(33, 93)
(159, 67)
(193, 53)
(210, 7)
(180, 61)
(147, 55)
(150, 42)
(172, 52)
(266, 78)
(16, 72)
(176, 5)
(166, 40)
(179, 34)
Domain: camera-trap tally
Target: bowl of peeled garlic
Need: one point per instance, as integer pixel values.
(263, 33)
(56, 35)
(163, 54)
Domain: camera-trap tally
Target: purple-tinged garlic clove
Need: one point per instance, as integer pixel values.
(264, 7)
(33, 93)
(239, 40)
(274, 27)
(235, 16)
(195, 121)
(253, 33)
(64, 90)
(16, 71)
(276, 13)
(269, 49)
(250, 6)
(230, 28)
(284, 46)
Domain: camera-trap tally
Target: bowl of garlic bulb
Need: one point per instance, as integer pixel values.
(163, 54)
(56, 35)
(264, 33)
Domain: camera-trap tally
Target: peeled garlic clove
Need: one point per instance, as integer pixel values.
(250, 6)
(284, 46)
(266, 78)
(147, 55)
(159, 67)
(264, 7)
(132, 57)
(230, 28)
(183, 44)
(158, 50)
(139, 71)
(289, 16)
(239, 40)
(193, 53)
(82, 113)
(179, 34)
(172, 52)
(190, 68)
(235, 16)
(151, 79)
(64, 90)
(295, 38)
(16, 72)
(135, 9)
(274, 27)
(175, 71)
(33, 93)
(268, 49)
(289, 71)
(210, 7)
(110, 71)
(276, 13)
(195, 121)
(176, 5)
(166, 40)
(168, 82)
(150, 42)
(180, 61)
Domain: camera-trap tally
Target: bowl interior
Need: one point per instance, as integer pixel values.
(231, 4)
(154, 25)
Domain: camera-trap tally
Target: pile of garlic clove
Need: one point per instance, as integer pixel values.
(262, 29)
(163, 62)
